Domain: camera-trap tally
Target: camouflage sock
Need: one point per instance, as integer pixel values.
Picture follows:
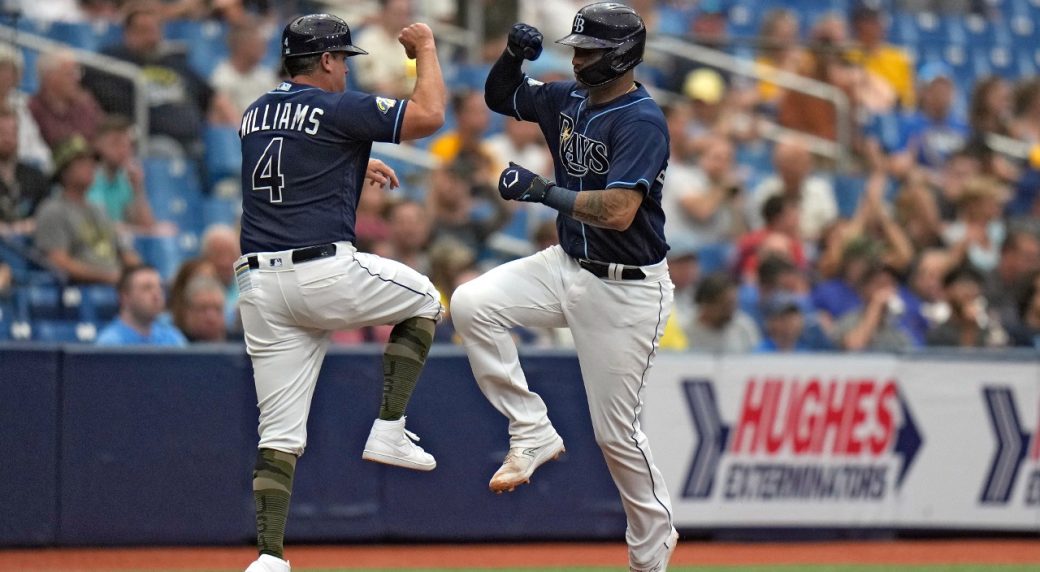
(402, 363)
(272, 486)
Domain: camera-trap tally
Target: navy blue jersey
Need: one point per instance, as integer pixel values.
(304, 156)
(623, 143)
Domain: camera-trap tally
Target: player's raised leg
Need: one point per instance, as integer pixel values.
(520, 293)
(616, 349)
(389, 442)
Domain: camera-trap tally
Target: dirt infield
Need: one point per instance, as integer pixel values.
(531, 555)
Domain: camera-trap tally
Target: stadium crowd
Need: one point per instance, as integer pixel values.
(922, 228)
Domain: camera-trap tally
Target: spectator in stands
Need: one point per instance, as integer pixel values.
(1026, 332)
(1025, 126)
(466, 142)
(1019, 261)
(715, 111)
(684, 270)
(708, 27)
(781, 214)
(385, 70)
(452, 205)
(991, 107)
(141, 301)
(371, 225)
(219, 245)
(876, 325)
(521, 142)
(62, 107)
(708, 206)
(717, 325)
(795, 180)
(978, 233)
(76, 236)
(242, 77)
(190, 270)
(926, 283)
(783, 326)
(971, 322)
(118, 186)
(917, 210)
(780, 48)
(929, 136)
(878, 57)
(22, 186)
(201, 318)
(410, 230)
(178, 99)
(32, 149)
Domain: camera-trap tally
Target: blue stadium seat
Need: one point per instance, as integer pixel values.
(221, 210)
(847, 191)
(174, 191)
(223, 152)
(714, 257)
(64, 331)
(77, 34)
(99, 303)
(44, 302)
(162, 252)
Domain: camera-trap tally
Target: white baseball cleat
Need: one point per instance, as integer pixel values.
(520, 464)
(391, 444)
(268, 563)
(662, 563)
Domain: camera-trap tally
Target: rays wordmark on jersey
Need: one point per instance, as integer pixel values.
(581, 154)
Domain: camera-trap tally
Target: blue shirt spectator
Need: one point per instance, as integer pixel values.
(141, 302)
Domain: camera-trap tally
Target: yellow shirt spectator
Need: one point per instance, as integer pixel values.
(892, 64)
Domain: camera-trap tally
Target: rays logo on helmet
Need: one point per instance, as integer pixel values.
(579, 24)
(385, 104)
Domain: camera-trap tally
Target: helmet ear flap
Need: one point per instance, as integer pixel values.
(622, 57)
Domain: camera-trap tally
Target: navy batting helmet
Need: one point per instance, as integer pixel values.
(317, 34)
(608, 26)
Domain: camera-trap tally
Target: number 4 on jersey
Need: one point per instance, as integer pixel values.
(267, 174)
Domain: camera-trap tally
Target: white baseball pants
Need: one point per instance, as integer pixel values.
(616, 326)
(288, 312)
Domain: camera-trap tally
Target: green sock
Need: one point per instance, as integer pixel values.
(272, 486)
(403, 361)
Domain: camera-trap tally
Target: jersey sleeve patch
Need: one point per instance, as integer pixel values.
(384, 104)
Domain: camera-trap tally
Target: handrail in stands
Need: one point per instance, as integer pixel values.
(785, 79)
(102, 62)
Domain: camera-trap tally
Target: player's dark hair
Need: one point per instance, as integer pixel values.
(301, 65)
(1014, 240)
(127, 275)
(713, 287)
(963, 272)
(142, 8)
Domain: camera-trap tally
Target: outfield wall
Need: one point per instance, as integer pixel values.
(107, 447)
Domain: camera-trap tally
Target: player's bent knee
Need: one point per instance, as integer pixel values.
(464, 306)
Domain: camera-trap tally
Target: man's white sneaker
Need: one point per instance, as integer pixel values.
(268, 563)
(662, 564)
(520, 464)
(391, 444)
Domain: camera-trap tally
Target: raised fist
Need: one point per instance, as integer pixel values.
(525, 42)
(413, 37)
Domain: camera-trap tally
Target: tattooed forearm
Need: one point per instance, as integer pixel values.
(611, 208)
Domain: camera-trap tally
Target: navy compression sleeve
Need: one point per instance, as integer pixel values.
(503, 79)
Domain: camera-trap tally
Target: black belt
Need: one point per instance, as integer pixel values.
(299, 255)
(602, 270)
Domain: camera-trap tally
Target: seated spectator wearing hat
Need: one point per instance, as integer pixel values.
(119, 181)
(978, 233)
(75, 235)
(22, 186)
(971, 322)
(141, 302)
(62, 107)
(32, 149)
(890, 63)
(717, 325)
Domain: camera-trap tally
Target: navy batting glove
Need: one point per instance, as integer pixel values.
(524, 42)
(518, 184)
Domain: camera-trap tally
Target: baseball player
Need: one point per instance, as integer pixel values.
(607, 279)
(305, 157)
